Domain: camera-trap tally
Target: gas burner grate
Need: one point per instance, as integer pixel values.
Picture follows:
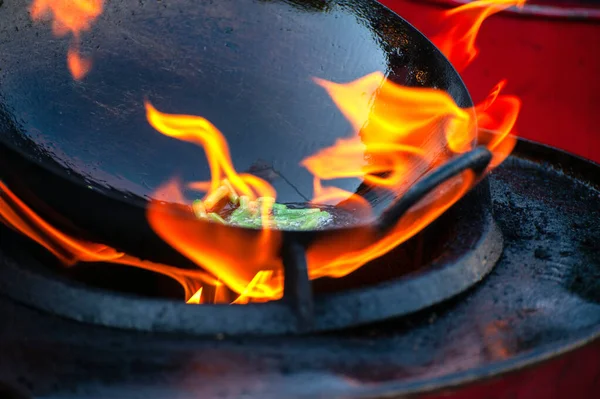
(539, 302)
(473, 247)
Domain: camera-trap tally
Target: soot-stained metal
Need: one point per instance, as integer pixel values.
(472, 246)
(74, 181)
(538, 304)
(251, 54)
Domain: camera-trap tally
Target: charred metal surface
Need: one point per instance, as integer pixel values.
(248, 56)
(540, 301)
(233, 62)
(586, 10)
(297, 291)
(472, 246)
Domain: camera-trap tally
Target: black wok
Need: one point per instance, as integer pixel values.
(83, 155)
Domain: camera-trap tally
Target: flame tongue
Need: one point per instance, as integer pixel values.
(234, 256)
(339, 255)
(70, 16)
(461, 26)
(78, 65)
(17, 215)
(399, 133)
(246, 261)
(198, 130)
(385, 112)
(496, 117)
(405, 152)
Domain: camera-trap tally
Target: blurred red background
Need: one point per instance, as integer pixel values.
(551, 59)
(551, 62)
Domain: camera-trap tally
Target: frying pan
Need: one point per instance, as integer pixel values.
(82, 154)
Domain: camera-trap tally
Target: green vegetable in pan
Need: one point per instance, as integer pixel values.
(249, 214)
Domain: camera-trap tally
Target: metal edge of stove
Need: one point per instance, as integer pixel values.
(567, 163)
(409, 294)
(463, 378)
(412, 294)
(579, 167)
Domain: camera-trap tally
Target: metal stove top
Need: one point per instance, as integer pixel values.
(541, 301)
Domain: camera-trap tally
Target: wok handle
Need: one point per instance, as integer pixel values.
(477, 160)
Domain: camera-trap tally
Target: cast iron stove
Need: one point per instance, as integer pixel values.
(525, 322)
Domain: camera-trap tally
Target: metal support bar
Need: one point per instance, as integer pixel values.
(297, 290)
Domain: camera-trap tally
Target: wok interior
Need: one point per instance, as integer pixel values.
(246, 66)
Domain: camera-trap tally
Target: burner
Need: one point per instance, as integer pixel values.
(462, 247)
(105, 186)
(540, 301)
(466, 240)
(350, 234)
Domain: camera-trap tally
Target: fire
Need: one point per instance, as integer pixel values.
(399, 134)
(196, 299)
(396, 127)
(403, 130)
(78, 66)
(70, 16)
(340, 255)
(74, 17)
(17, 215)
(461, 26)
(496, 118)
(250, 265)
(198, 130)
(416, 138)
(234, 255)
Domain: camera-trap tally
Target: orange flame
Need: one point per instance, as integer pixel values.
(399, 134)
(17, 215)
(496, 117)
(69, 250)
(70, 16)
(250, 266)
(234, 255)
(337, 256)
(424, 128)
(199, 131)
(406, 131)
(461, 26)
